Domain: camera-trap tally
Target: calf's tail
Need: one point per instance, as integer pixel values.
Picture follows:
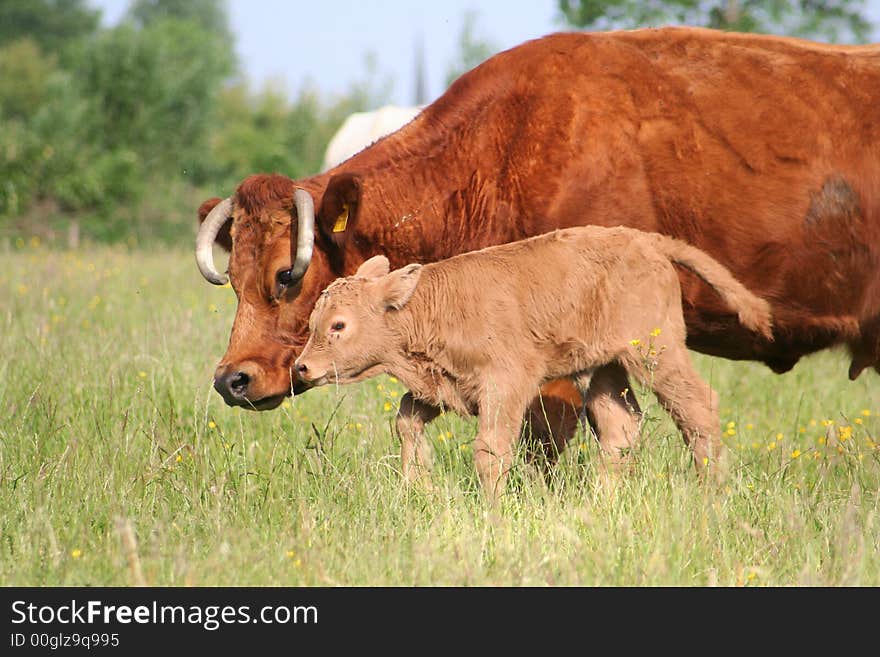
(753, 311)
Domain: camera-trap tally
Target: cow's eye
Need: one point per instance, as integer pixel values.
(338, 326)
(284, 277)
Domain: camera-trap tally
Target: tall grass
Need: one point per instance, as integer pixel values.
(120, 465)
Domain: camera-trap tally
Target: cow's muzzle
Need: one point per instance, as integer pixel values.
(238, 385)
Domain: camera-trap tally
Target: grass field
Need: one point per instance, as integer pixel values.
(120, 465)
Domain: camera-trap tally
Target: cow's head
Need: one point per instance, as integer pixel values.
(350, 335)
(282, 256)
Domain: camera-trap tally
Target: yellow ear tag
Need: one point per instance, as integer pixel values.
(341, 220)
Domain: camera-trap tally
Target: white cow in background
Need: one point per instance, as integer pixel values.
(363, 128)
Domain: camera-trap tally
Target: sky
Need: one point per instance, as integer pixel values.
(325, 43)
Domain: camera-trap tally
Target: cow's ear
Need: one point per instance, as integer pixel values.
(398, 286)
(224, 239)
(375, 267)
(339, 207)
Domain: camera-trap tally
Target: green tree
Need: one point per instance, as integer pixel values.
(830, 20)
(266, 132)
(52, 24)
(211, 15)
(473, 50)
(25, 73)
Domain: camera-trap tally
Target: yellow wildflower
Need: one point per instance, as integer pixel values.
(212, 424)
(866, 412)
(771, 446)
(76, 553)
(142, 374)
(635, 343)
(795, 453)
(655, 332)
(858, 420)
(386, 406)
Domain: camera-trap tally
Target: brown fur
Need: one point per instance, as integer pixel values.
(479, 333)
(753, 148)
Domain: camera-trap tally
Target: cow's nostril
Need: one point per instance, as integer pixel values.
(302, 368)
(238, 383)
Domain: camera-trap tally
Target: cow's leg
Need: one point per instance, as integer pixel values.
(614, 414)
(693, 406)
(552, 420)
(415, 452)
(499, 425)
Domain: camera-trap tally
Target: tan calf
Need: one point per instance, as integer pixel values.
(479, 333)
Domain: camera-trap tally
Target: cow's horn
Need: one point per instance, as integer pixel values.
(212, 224)
(305, 232)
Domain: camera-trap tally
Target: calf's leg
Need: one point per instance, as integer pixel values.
(415, 452)
(693, 406)
(499, 425)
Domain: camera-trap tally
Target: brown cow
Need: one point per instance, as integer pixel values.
(480, 332)
(760, 150)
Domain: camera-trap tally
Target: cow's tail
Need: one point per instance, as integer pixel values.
(753, 311)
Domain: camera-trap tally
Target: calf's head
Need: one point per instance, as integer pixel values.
(351, 332)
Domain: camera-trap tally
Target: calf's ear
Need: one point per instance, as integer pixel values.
(339, 208)
(397, 287)
(375, 267)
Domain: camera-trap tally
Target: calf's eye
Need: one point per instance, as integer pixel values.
(338, 326)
